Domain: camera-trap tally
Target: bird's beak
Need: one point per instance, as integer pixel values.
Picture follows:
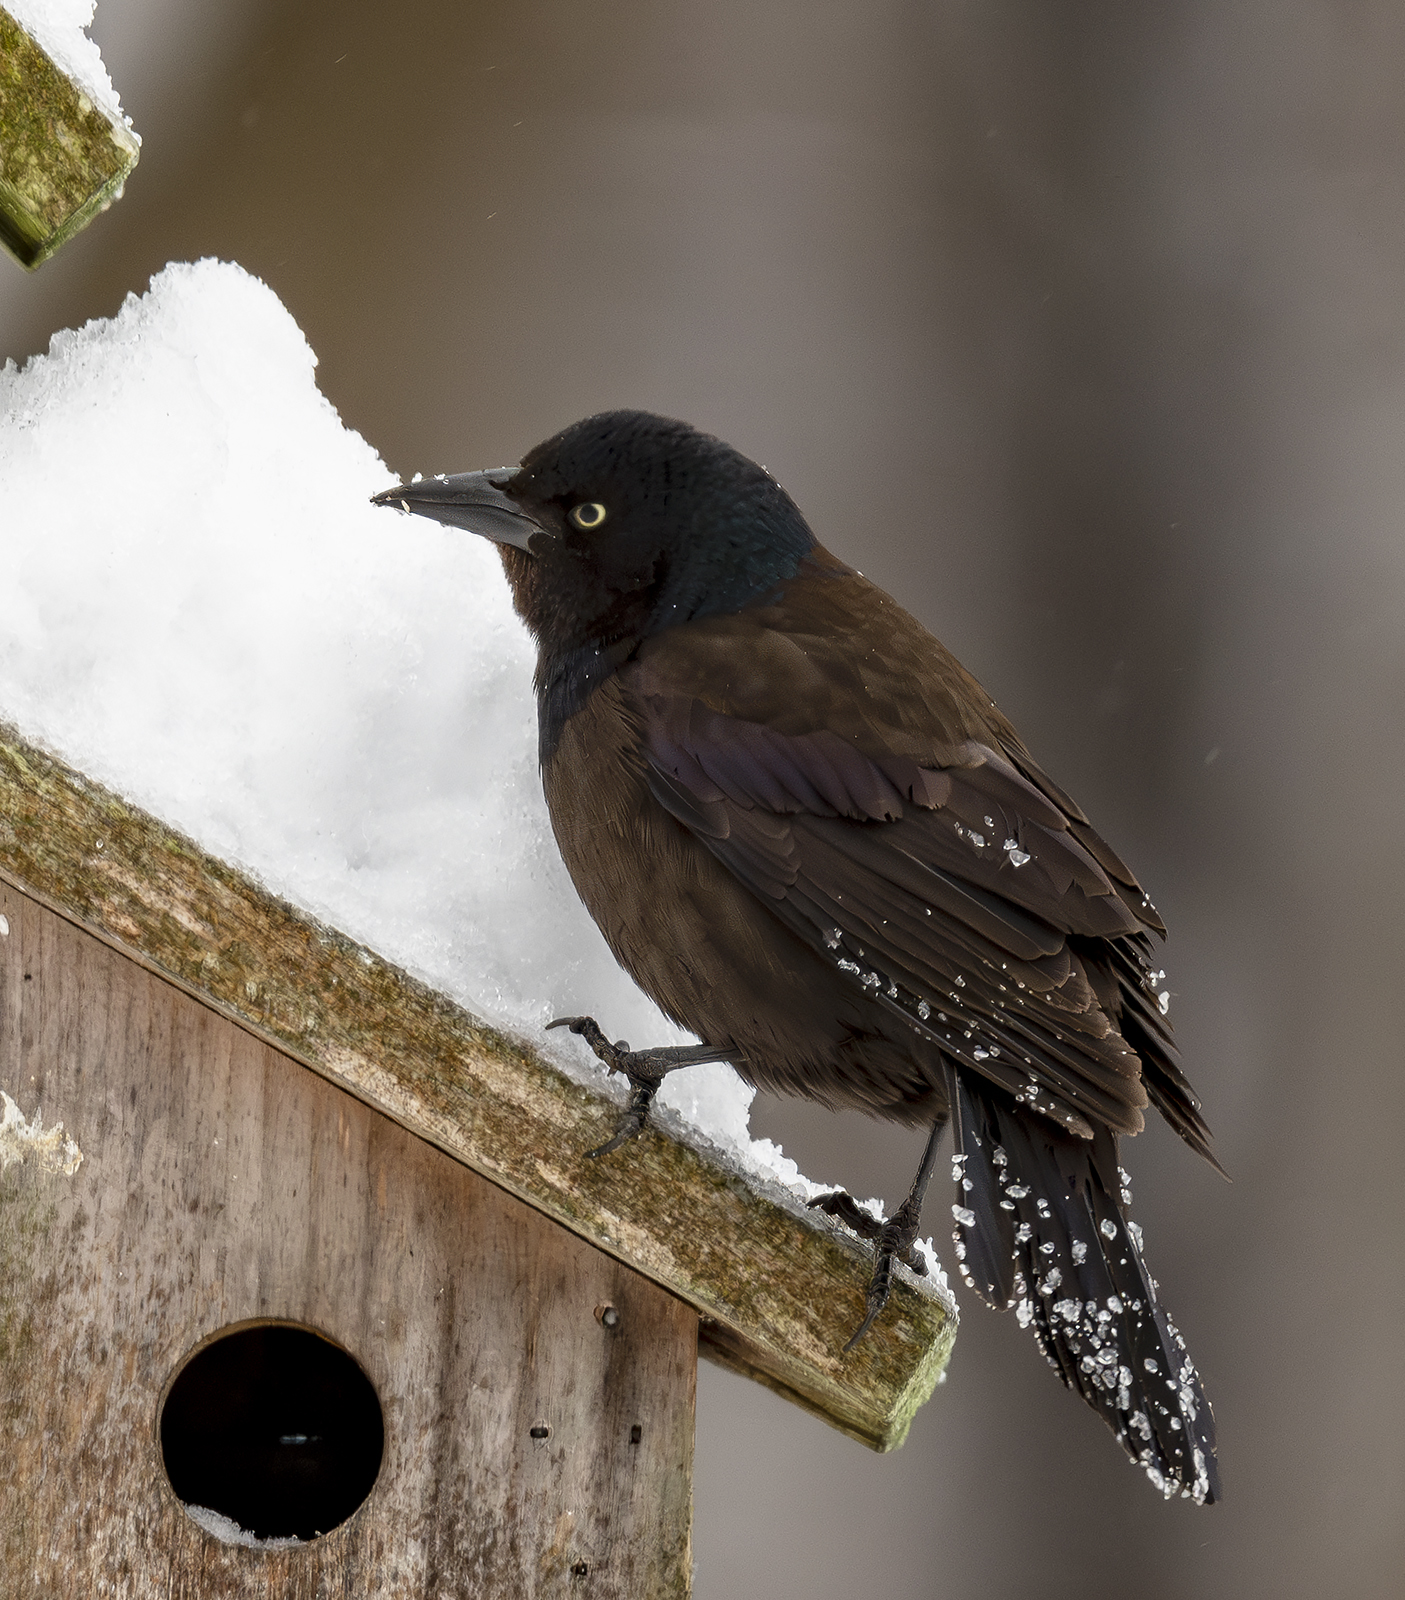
(472, 500)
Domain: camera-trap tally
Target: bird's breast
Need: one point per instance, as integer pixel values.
(704, 948)
(649, 886)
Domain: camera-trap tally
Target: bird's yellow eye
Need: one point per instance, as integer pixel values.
(589, 515)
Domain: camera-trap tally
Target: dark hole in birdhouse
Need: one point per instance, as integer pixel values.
(276, 1429)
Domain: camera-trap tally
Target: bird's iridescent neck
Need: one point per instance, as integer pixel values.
(701, 585)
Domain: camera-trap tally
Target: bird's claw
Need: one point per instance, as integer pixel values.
(630, 1126)
(645, 1069)
(614, 1055)
(848, 1211)
(896, 1240)
(644, 1084)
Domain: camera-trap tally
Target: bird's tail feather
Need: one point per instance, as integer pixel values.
(1041, 1227)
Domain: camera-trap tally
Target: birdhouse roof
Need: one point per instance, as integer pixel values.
(778, 1287)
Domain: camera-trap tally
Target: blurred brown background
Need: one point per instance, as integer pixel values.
(1081, 327)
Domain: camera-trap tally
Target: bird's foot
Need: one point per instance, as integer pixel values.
(896, 1240)
(645, 1070)
(867, 1226)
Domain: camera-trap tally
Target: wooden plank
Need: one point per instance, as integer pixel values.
(780, 1288)
(223, 1182)
(62, 159)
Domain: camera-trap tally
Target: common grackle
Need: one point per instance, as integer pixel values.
(811, 836)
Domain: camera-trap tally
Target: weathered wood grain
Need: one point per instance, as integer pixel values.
(223, 1182)
(62, 159)
(779, 1287)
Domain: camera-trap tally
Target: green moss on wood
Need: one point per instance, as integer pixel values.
(62, 159)
(779, 1287)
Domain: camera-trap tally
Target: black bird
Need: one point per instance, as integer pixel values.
(814, 840)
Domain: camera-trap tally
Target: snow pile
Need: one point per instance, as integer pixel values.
(58, 27)
(228, 1531)
(200, 608)
(48, 1147)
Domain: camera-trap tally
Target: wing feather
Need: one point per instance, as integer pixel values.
(972, 899)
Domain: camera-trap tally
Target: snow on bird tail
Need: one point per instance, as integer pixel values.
(1041, 1227)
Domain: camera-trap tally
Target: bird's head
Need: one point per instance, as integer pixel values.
(623, 525)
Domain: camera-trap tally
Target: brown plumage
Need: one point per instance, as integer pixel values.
(811, 836)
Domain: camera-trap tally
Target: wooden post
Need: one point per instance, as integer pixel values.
(62, 159)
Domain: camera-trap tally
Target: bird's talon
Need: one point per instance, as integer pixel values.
(866, 1324)
(880, 1287)
(629, 1129)
(615, 1056)
(844, 1208)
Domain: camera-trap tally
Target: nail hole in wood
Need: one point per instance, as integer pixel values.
(275, 1428)
(636, 1433)
(580, 1570)
(539, 1430)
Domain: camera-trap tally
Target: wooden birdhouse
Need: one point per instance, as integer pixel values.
(313, 1292)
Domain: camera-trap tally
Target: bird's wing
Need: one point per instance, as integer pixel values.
(960, 895)
(846, 767)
